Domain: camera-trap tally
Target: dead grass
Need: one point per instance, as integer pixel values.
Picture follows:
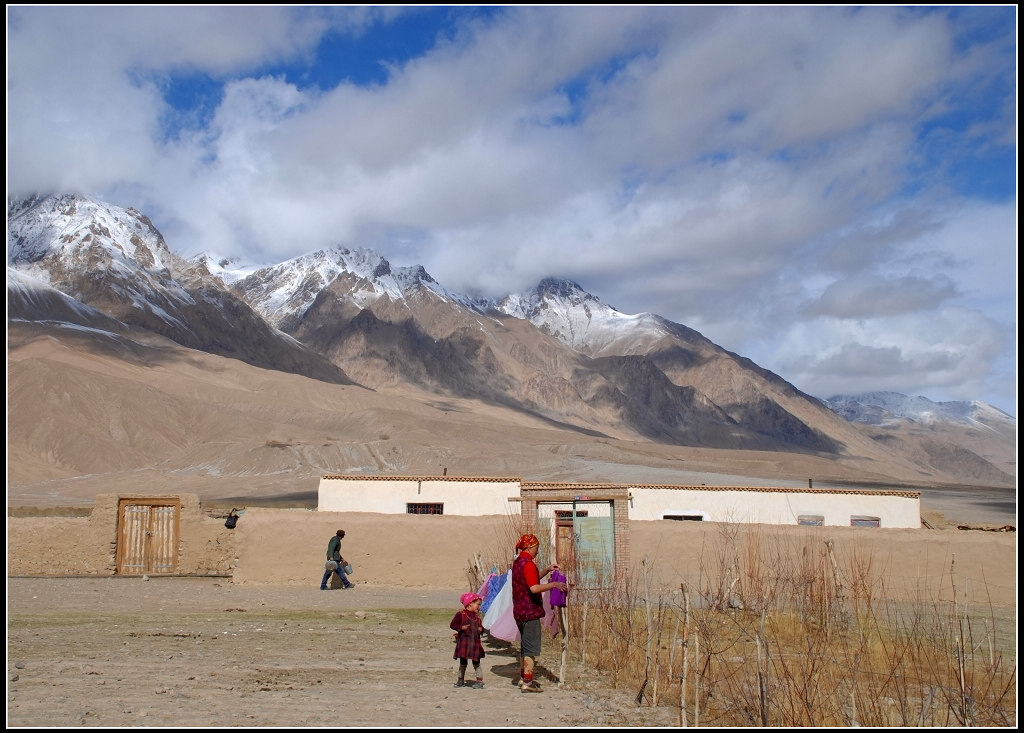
(497, 556)
(772, 637)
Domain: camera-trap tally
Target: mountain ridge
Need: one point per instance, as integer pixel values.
(554, 353)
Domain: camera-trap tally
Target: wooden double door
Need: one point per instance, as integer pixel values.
(147, 536)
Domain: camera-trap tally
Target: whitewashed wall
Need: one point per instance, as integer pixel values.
(480, 496)
(772, 505)
(467, 497)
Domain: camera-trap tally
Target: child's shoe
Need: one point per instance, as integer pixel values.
(460, 683)
(478, 685)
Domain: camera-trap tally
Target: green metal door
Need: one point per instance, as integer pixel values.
(590, 526)
(595, 550)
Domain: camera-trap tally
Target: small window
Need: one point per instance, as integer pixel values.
(811, 520)
(685, 517)
(858, 520)
(566, 514)
(424, 508)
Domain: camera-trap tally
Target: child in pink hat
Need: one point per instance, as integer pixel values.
(468, 626)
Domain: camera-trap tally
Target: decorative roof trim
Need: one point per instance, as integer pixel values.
(617, 492)
(566, 486)
(464, 479)
(569, 485)
(760, 489)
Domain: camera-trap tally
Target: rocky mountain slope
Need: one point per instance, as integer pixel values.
(92, 283)
(952, 436)
(114, 261)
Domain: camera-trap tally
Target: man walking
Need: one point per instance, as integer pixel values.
(335, 562)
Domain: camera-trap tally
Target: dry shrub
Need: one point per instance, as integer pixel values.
(499, 554)
(786, 635)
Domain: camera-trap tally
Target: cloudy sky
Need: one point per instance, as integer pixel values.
(829, 191)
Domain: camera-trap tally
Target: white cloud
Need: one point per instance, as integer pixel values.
(750, 172)
(878, 296)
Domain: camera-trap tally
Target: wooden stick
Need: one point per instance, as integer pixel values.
(563, 627)
(686, 644)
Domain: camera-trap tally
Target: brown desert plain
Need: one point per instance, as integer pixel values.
(262, 646)
(266, 648)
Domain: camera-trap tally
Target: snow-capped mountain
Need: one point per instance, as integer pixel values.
(564, 310)
(114, 261)
(29, 299)
(977, 429)
(228, 270)
(885, 408)
(387, 325)
(342, 314)
(283, 293)
(949, 436)
(74, 229)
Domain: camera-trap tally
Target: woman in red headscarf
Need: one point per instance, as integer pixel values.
(528, 606)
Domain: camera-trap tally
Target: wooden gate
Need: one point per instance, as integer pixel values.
(147, 536)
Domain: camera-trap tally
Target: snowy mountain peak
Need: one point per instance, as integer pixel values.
(228, 270)
(90, 265)
(564, 289)
(415, 275)
(884, 408)
(48, 234)
(563, 309)
(287, 290)
(552, 294)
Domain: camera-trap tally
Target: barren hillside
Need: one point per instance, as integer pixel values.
(88, 413)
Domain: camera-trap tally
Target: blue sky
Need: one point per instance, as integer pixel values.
(828, 191)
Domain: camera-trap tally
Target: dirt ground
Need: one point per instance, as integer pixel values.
(267, 648)
(270, 656)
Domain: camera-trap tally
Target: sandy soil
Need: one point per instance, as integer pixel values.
(266, 647)
(205, 652)
(274, 650)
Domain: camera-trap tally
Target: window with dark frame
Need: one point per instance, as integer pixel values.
(811, 520)
(424, 508)
(858, 520)
(565, 515)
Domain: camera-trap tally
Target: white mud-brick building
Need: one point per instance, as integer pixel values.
(586, 526)
(465, 496)
(481, 496)
(777, 505)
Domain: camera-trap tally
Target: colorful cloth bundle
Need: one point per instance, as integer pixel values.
(499, 620)
(490, 589)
